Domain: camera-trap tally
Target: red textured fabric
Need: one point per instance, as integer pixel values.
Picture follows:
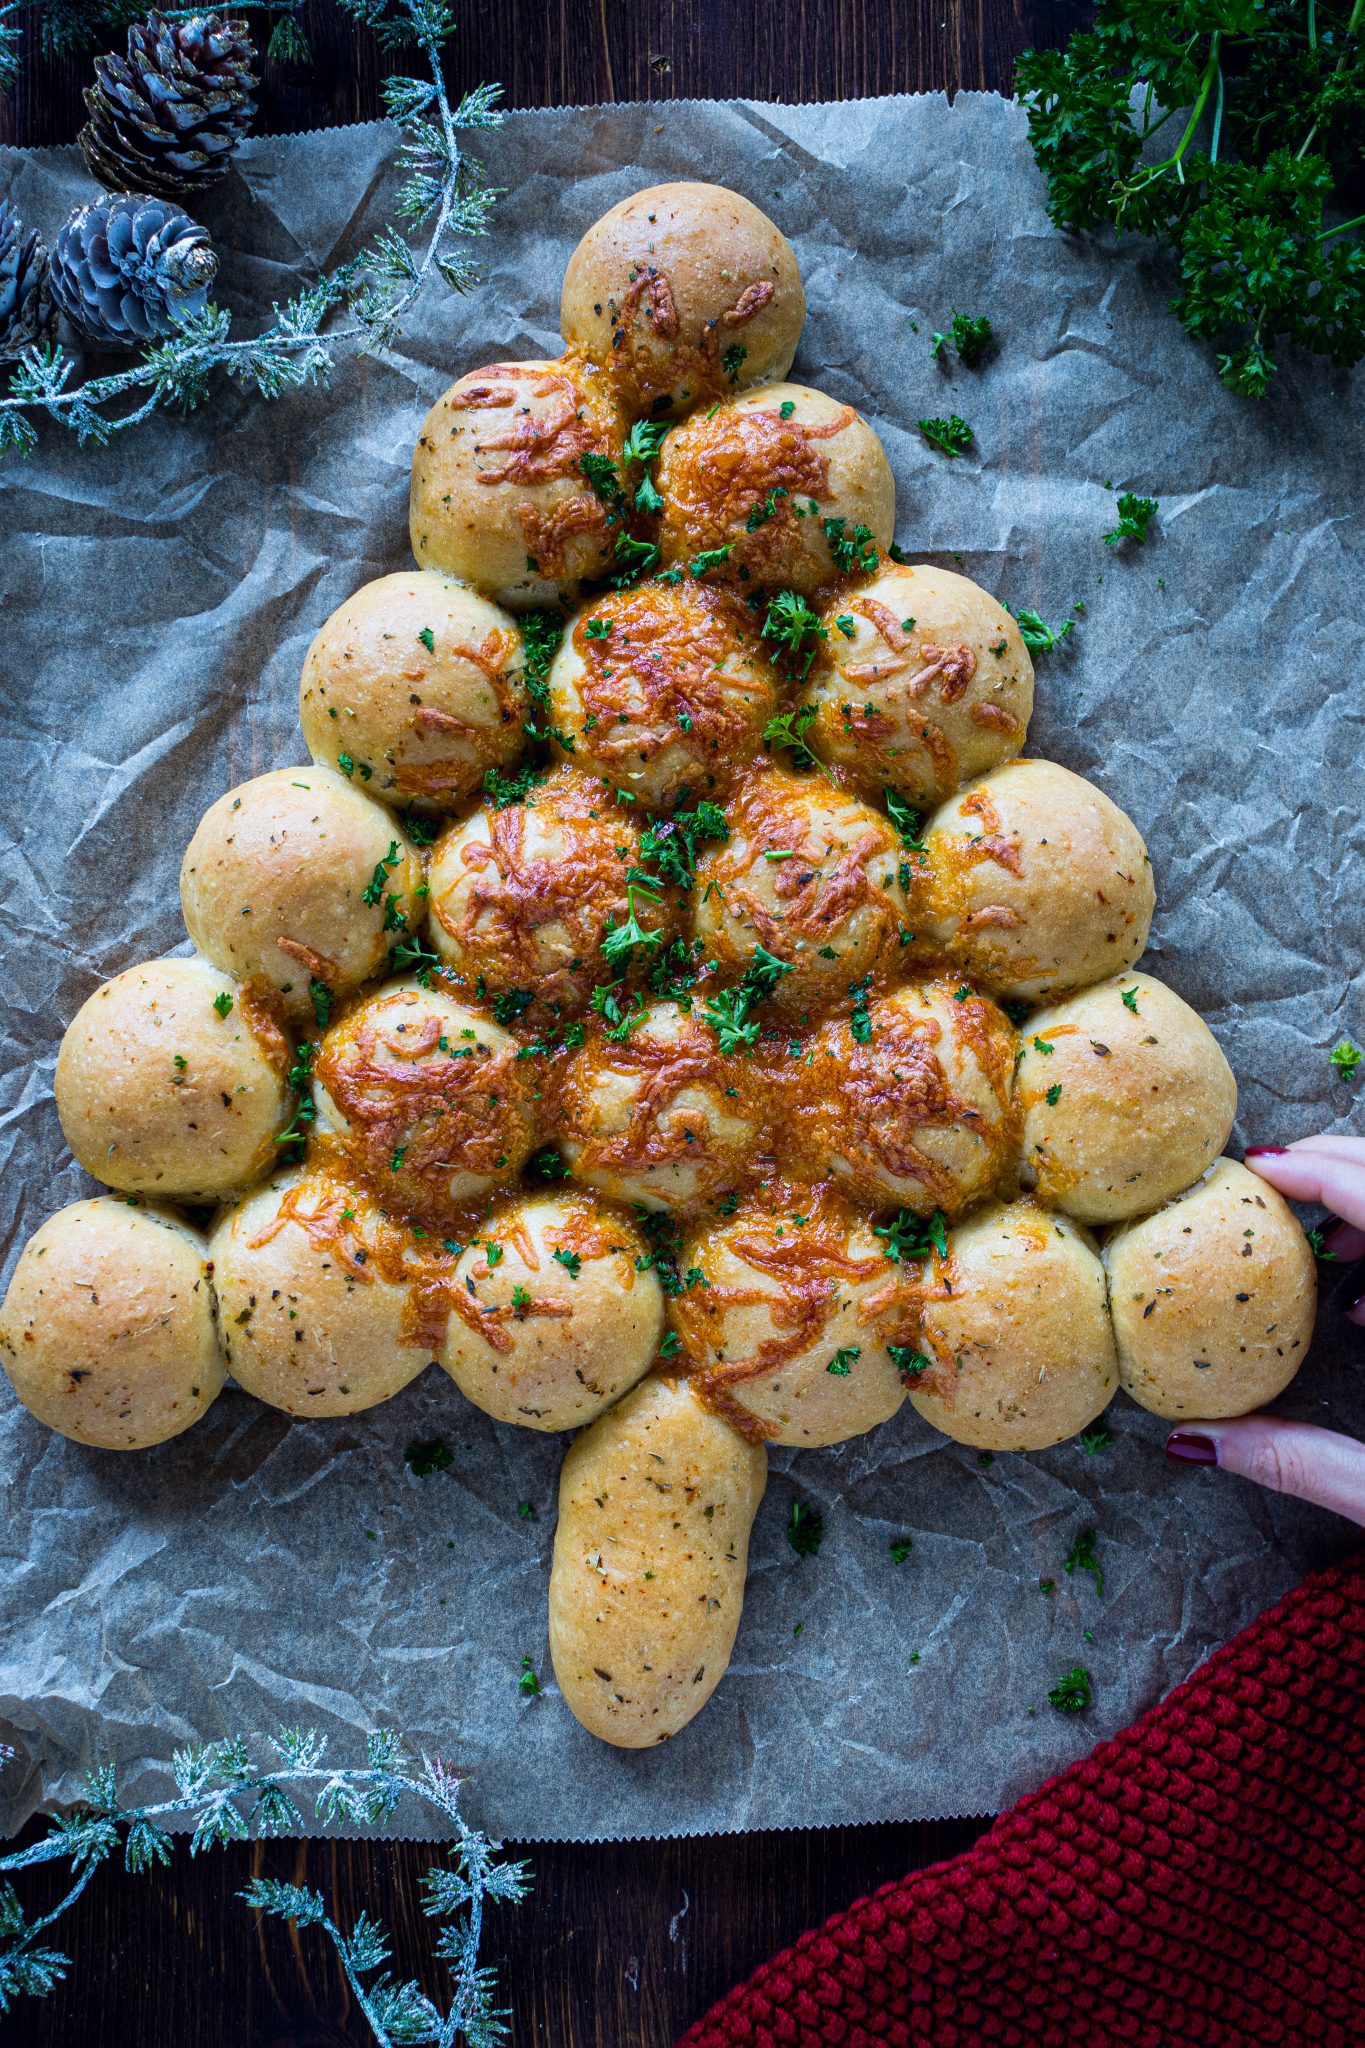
(1199, 1879)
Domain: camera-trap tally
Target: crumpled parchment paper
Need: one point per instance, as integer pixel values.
(158, 597)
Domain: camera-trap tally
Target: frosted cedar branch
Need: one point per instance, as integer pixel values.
(360, 305)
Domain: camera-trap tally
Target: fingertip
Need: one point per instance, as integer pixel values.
(1191, 1447)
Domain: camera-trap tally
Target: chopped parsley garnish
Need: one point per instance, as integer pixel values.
(843, 1360)
(222, 1003)
(912, 1237)
(541, 634)
(419, 830)
(788, 729)
(1097, 1439)
(433, 1455)
(670, 844)
(598, 629)
(526, 1509)
(908, 1362)
(511, 1004)
(527, 1683)
(971, 335)
(1043, 1045)
(413, 956)
(320, 996)
(846, 626)
(728, 1015)
(900, 1549)
(378, 882)
(709, 558)
(1130, 996)
(1135, 516)
(1345, 1057)
(854, 548)
(1036, 634)
(786, 409)
(805, 1528)
(572, 1262)
(620, 940)
(635, 558)
(603, 477)
(860, 1021)
(1072, 1692)
(952, 436)
(792, 624)
(732, 361)
(293, 1137)
(620, 1017)
(766, 509)
(1053, 1095)
(502, 790)
(396, 1157)
(1081, 1558)
(907, 821)
(546, 1164)
(428, 639)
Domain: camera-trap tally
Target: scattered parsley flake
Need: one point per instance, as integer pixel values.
(805, 1529)
(953, 437)
(222, 1003)
(1072, 1692)
(1081, 1558)
(433, 1455)
(1135, 516)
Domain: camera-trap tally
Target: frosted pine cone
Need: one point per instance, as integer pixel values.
(130, 268)
(167, 117)
(25, 299)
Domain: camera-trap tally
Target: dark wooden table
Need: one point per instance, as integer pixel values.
(622, 1943)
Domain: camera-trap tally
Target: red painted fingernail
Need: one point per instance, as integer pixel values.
(1260, 1151)
(1186, 1447)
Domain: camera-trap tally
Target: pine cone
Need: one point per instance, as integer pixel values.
(25, 297)
(167, 117)
(129, 269)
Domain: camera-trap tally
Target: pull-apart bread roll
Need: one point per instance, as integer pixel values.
(786, 1331)
(814, 876)
(924, 683)
(298, 878)
(415, 683)
(525, 894)
(656, 1501)
(557, 1311)
(1213, 1298)
(662, 689)
(107, 1331)
(503, 481)
(1038, 882)
(425, 1098)
(172, 1080)
(782, 488)
(1016, 1347)
(1126, 1098)
(680, 293)
(663, 1118)
(911, 1110)
(325, 1305)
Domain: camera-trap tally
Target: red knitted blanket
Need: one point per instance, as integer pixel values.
(1201, 1878)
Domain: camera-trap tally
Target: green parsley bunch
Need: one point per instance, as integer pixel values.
(1267, 100)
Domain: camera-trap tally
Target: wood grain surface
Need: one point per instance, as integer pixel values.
(620, 1944)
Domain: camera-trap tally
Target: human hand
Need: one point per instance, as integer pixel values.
(1315, 1464)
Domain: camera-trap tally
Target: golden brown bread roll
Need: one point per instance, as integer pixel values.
(297, 877)
(682, 292)
(924, 683)
(107, 1330)
(662, 1118)
(500, 495)
(786, 1325)
(325, 1305)
(1038, 882)
(1126, 1099)
(419, 679)
(1213, 1298)
(656, 1502)
(913, 1109)
(786, 486)
(557, 1311)
(425, 1098)
(813, 875)
(662, 689)
(172, 1081)
(525, 895)
(1015, 1332)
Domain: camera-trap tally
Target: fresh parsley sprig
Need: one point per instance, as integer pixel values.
(1253, 201)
